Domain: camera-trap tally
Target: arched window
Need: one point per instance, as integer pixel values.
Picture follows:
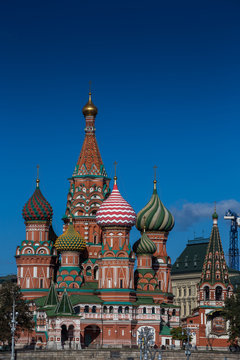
(120, 310)
(126, 310)
(94, 309)
(162, 311)
(144, 310)
(41, 283)
(218, 293)
(111, 309)
(86, 309)
(206, 293)
(71, 332)
(95, 272)
(153, 310)
(104, 309)
(88, 271)
(77, 309)
(94, 237)
(173, 312)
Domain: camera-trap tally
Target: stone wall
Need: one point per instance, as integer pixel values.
(115, 355)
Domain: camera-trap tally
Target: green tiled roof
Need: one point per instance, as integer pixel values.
(52, 297)
(64, 306)
(90, 285)
(192, 257)
(85, 299)
(40, 301)
(142, 300)
(165, 330)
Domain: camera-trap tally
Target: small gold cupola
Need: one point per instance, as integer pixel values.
(90, 109)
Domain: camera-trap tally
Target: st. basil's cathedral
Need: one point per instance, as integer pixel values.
(83, 285)
(89, 287)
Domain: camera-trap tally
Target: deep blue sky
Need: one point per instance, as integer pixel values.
(165, 77)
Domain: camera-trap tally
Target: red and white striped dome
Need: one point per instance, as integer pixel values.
(115, 211)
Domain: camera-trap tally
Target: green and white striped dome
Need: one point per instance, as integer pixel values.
(144, 246)
(154, 216)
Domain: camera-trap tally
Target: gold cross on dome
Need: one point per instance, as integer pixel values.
(38, 171)
(155, 172)
(90, 86)
(115, 168)
(38, 175)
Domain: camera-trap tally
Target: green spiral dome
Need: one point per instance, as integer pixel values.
(154, 216)
(70, 240)
(144, 246)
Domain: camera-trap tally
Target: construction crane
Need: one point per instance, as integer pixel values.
(233, 251)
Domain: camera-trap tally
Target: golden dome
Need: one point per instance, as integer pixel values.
(90, 109)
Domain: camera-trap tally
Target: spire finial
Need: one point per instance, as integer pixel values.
(115, 172)
(155, 176)
(38, 181)
(90, 91)
(215, 215)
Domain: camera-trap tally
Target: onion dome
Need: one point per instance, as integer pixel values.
(215, 215)
(144, 246)
(37, 208)
(90, 109)
(154, 216)
(70, 240)
(115, 210)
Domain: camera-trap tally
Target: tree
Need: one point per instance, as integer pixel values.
(24, 318)
(231, 313)
(180, 334)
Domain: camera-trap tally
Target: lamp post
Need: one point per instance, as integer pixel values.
(13, 324)
(187, 351)
(145, 340)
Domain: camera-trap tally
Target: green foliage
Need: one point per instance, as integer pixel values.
(8, 291)
(231, 313)
(180, 334)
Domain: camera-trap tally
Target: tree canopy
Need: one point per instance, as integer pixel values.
(8, 291)
(232, 314)
(179, 333)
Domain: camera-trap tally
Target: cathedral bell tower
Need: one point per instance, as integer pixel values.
(215, 284)
(157, 221)
(116, 218)
(36, 256)
(89, 187)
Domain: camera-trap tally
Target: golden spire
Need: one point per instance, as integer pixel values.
(90, 109)
(37, 181)
(115, 172)
(155, 177)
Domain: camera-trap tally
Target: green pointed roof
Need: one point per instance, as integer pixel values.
(144, 246)
(64, 307)
(215, 269)
(52, 297)
(154, 216)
